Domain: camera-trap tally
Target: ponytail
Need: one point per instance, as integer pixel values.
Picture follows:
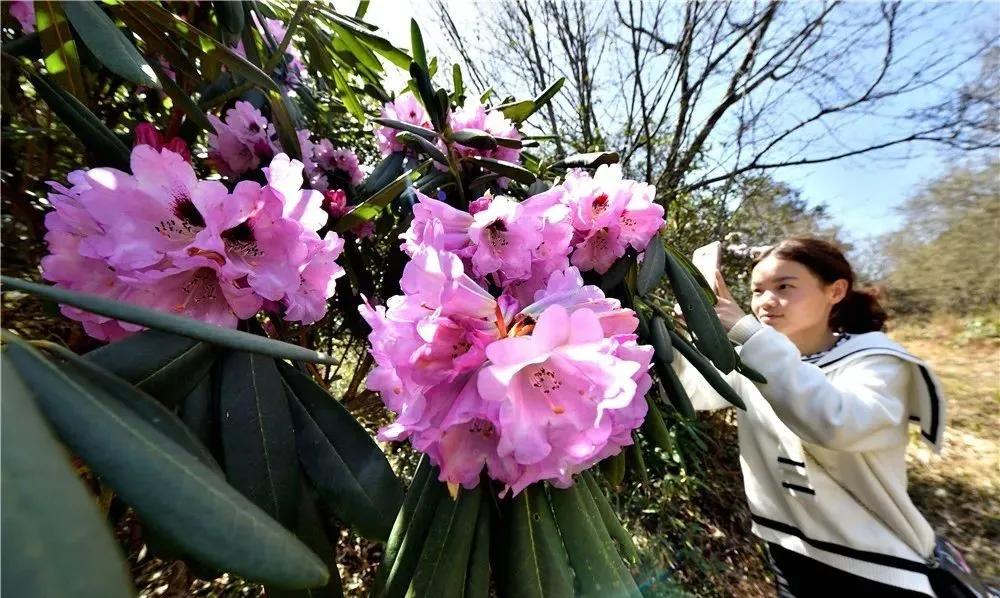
(859, 311)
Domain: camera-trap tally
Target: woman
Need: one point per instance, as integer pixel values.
(823, 442)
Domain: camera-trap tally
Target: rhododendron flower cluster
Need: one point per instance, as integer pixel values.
(242, 141)
(24, 12)
(329, 167)
(405, 108)
(161, 238)
(474, 116)
(497, 355)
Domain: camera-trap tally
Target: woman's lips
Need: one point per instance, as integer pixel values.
(769, 317)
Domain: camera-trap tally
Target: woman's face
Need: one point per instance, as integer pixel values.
(790, 298)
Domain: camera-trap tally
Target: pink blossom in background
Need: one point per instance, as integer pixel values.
(295, 70)
(24, 12)
(335, 202)
(364, 230)
(161, 238)
(147, 134)
(242, 141)
(406, 108)
(323, 161)
(609, 213)
(474, 116)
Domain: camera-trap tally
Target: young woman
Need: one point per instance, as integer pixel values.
(823, 442)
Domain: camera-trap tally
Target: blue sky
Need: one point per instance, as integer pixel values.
(861, 192)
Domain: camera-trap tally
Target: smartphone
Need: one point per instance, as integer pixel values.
(707, 260)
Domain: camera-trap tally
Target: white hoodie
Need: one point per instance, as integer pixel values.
(823, 449)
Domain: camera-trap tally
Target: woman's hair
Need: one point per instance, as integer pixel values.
(859, 311)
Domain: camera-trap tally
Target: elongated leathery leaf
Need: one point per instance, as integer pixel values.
(611, 522)
(200, 513)
(108, 43)
(710, 336)
(651, 270)
(445, 557)
(477, 575)
(258, 440)
(398, 576)
(599, 569)
(166, 366)
(345, 465)
(712, 375)
(421, 477)
(55, 540)
(233, 339)
(533, 561)
(103, 382)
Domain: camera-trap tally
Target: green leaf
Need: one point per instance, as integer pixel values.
(345, 465)
(316, 535)
(108, 43)
(225, 337)
(371, 207)
(503, 168)
(457, 84)
(200, 513)
(676, 393)
(592, 555)
(230, 15)
(104, 382)
(425, 90)
(258, 441)
(200, 413)
(550, 92)
(384, 173)
(654, 428)
(417, 45)
(591, 160)
(62, 60)
(182, 99)
(161, 364)
(661, 340)
(403, 566)
(432, 151)
(475, 139)
(477, 573)
(532, 560)
(287, 135)
(348, 97)
(360, 51)
(708, 371)
(445, 556)
(55, 540)
(518, 111)
(104, 144)
(507, 142)
(651, 270)
(637, 463)
(710, 336)
(612, 524)
(616, 273)
(375, 42)
(421, 477)
(359, 13)
(613, 469)
(416, 130)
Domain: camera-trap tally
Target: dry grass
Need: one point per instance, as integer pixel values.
(959, 490)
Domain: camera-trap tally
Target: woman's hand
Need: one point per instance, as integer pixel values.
(726, 308)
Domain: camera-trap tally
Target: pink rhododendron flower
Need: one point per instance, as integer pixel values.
(162, 238)
(454, 223)
(335, 202)
(609, 214)
(473, 116)
(147, 134)
(329, 167)
(503, 240)
(405, 108)
(241, 142)
(531, 395)
(24, 12)
(294, 68)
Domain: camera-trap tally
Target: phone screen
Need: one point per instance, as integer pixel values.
(707, 260)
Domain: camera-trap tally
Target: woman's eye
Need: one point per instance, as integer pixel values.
(782, 287)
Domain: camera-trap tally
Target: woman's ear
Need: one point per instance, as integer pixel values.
(837, 291)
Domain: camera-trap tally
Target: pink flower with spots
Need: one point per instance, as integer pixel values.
(503, 241)
(147, 134)
(405, 108)
(609, 213)
(242, 141)
(328, 167)
(530, 395)
(162, 238)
